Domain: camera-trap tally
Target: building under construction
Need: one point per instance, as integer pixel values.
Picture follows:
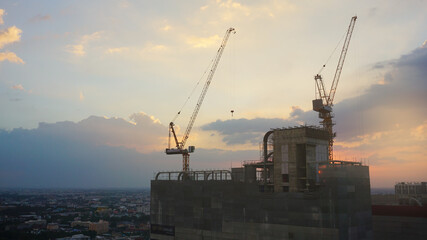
(294, 192)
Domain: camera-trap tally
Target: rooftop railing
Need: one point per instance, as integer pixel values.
(206, 175)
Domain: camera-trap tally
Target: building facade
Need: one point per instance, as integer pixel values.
(411, 193)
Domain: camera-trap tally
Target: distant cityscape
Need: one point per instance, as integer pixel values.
(74, 214)
(68, 214)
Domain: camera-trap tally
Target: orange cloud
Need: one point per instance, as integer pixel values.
(18, 87)
(10, 35)
(166, 28)
(420, 132)
(11, 57)
(81, 96)
(1, 16)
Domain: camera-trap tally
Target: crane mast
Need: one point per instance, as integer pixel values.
(324, 104)
(180, 145)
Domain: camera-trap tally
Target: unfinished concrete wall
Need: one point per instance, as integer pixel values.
(296, 154)
(345, 190)
(234, 210)
(340, 209)
(312, 199)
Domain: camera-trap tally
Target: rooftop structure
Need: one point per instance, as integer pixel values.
(293, 192)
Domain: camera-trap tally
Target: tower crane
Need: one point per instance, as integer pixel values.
(324, 103)
(179, 149)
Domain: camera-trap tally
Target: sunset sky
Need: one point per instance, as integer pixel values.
(88, 88)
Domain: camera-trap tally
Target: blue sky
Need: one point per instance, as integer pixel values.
(114, 73)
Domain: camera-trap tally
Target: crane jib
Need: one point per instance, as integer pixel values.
(180, 145)
(324, 104)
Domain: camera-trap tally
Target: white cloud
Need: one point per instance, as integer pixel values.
(90, 37)
(11, 57)
(232, 4)
(124, 4)
(233, 11)
(80, 48)
(150, 47)
(117, 50)
(198, 42)
(40, 18)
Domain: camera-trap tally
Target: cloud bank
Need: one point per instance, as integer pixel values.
(242, 131)
(384, 126)
(387, 125)
(96, 152)
(398, 100)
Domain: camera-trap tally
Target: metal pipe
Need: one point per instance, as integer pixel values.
(266, 157)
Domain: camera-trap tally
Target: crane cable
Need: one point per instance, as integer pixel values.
(192, 91)
(233, 79)
(329, 58)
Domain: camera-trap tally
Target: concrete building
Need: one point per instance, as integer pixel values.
(76, 237)
(99, 227)
(52, 226)
(80, 223)
(293, 192)
(411, 193)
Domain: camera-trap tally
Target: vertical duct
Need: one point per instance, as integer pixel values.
(266, 157)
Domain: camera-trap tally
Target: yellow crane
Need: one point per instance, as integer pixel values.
(324, 103)
(179, 149)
